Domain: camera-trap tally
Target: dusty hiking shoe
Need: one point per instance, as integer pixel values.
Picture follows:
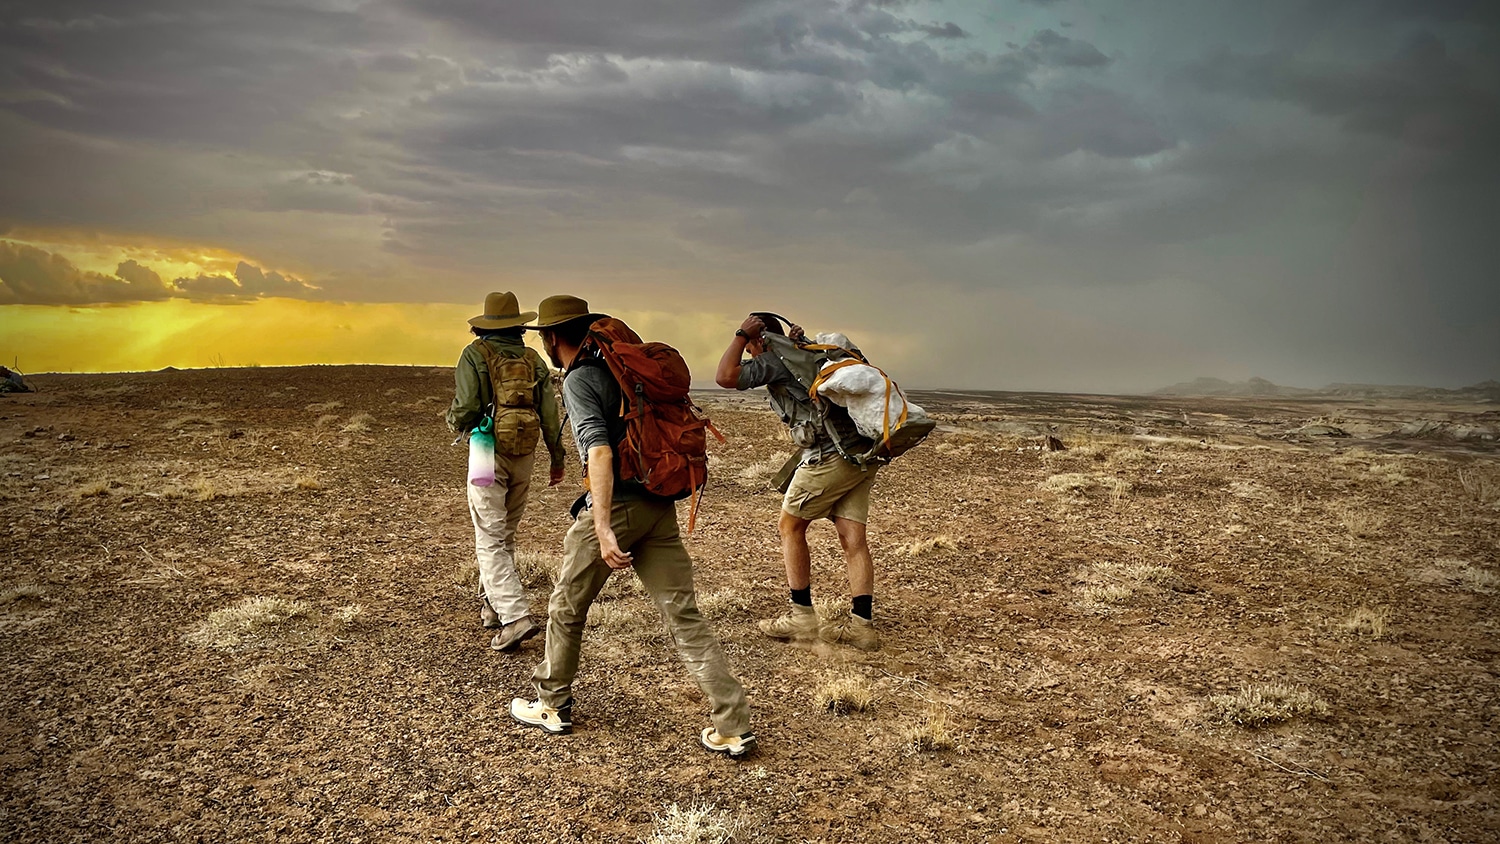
(733, 746)
(512, 635)
(557, 722)
(853, 631)
(799, 624)
(487, 616)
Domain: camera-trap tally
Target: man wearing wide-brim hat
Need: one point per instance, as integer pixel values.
(499, 377)
(619, 525)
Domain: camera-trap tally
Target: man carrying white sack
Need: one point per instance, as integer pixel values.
(825, 485)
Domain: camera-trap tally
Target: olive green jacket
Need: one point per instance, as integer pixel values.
(473, 393)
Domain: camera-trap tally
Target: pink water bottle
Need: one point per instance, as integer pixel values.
(482, 453)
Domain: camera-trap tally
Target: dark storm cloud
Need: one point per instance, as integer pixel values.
(1225, 152)
(1048, 47)
(947, 30)
(207, 288)
(1422, 93)
(33, 276)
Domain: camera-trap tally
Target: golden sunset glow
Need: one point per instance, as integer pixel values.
(286, 332)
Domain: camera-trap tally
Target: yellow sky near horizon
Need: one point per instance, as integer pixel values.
(284, 332)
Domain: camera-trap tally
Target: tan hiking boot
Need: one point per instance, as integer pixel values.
(853, 631)
(487, 615)
(800, 624)
(512, 635)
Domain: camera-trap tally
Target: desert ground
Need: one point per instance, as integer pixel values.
(238, 605)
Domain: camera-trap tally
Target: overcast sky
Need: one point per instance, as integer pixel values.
(1045, 194)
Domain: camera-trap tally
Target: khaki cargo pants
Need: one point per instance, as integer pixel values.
(648, 530)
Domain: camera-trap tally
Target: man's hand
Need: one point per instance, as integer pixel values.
(796, 334)
(753, 326)
(602, 494)
(555, 476)
(609, 548)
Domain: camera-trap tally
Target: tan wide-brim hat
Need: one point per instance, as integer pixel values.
(501, 311)
(556, 310)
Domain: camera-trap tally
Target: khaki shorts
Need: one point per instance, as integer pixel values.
(832, 488)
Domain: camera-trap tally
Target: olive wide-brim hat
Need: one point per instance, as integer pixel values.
(556, 310)
(501, 311)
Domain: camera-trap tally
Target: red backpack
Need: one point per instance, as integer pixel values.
(664, 447)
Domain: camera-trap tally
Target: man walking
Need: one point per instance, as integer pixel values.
(618, 525)
(825, 485)
(498, 376)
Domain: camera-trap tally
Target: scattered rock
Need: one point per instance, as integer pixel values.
(1320, 431)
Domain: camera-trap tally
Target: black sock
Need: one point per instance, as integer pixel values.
(862, 606)
(802, 597)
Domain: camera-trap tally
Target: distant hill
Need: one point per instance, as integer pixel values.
(1220, 387)
(1485, 391)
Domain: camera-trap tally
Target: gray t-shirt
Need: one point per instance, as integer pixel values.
(591, 397)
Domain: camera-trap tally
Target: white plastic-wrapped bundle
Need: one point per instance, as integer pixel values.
(861, 389)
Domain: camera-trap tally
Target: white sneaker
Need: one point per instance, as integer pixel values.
(732, 746)
(557, 722)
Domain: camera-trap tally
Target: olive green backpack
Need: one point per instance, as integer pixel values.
(513, 379)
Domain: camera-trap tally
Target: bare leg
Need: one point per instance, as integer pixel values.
(856, 554)
(794, 551)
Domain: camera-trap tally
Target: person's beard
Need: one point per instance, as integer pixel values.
(549, 345)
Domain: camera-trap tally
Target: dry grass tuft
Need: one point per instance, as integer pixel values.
(191, 420)
(614, 617)
(1460, 574)
(1365, 621)
(350, 614)
(1481, 485)
(306, 482)
(695, 825)
(760, 473)
(265, 675)
(1358, 519)
(1078, 485)
(94, 489)
(327, 419)
(204, 490)
(1263, 704)
(933, 732)
(1251, 491)
(1128, 456)
(1390, 474)
(20, 593)
(230, 627)
(923, 547)
(324, 407)
(1068, 483)
(622, 584)
(359, 423)
(1101, 595)
(1105, 585)
(536, 567)
(723, 603)
(844, 695)
(466, 575)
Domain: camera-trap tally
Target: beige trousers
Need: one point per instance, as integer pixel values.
(496, 511)
(648, 530)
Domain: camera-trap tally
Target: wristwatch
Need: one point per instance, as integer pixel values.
(740, 332)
